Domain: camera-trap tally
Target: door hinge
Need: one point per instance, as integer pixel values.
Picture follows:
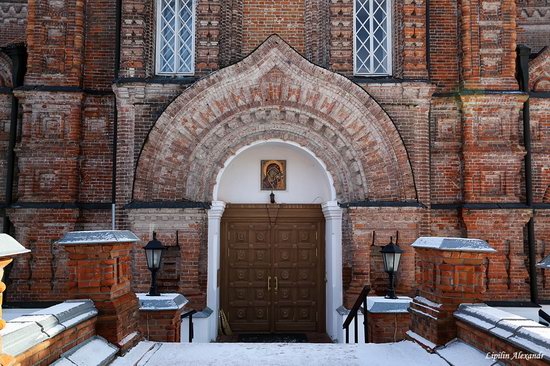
(316, 235)
(316, 252)
(317, 316)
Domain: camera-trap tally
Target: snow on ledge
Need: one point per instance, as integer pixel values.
(25, 332)
(98, 237)
(162, 302)
(545, 263)
(453, 244)
(94, 351)
(521, 332)
(379, 304)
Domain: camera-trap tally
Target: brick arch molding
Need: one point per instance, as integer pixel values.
(274, 93)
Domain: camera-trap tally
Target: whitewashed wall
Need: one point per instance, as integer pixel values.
(307, 180)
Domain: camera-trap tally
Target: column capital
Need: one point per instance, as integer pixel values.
(332, 210)
(216, 210)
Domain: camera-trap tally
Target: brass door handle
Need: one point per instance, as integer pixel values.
(268, 283)
(276, 284)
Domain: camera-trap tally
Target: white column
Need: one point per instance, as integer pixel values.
(213, 287)
(333, 255)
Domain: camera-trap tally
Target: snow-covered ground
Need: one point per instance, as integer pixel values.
(288, 354)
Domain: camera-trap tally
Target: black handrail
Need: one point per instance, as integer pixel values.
(544, 315)
(189, 315)
(361, 299)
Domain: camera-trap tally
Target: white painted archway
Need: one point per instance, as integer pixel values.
(310, 172)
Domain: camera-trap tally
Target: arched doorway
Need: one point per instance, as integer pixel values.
(289, 274)
(274, 95)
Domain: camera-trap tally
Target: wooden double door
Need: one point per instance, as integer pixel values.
(272, 268)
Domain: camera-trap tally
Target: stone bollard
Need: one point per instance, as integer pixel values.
(99, 269)
(450, 272)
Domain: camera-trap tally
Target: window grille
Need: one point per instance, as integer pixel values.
(372, 37)
(175, 37)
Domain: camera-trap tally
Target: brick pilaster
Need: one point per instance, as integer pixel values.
(488, 30)
(492, 153)
(446, 279)
(101, 272)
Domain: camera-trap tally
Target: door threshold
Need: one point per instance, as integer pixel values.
(306, 337)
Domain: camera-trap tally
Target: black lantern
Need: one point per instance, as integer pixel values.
(153, 253)
(391, 254)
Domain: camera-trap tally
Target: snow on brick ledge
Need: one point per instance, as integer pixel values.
(453, 244)
(162, 302)
(95, 351)
(521, 332)
(25, 332)
(98, 237)
(379, 304)
(545, 263)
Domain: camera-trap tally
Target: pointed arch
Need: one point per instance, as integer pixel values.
(274, 93)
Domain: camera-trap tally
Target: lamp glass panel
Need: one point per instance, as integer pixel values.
(396, 261)
(388, 261)
(157, 254)
(149, 257)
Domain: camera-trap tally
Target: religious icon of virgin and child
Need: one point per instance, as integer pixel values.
(273, 175)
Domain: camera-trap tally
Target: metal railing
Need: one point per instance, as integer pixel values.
(361, 299)
(544, 316)
(189, 315)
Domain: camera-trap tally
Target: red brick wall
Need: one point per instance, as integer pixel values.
(186, 275)
(366, 260)
(47, 352)
(161, 326)
(389, 327)
(488, 343)
(444, 41)
(13, 22)
(264, 18)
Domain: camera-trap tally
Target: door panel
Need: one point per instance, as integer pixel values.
(272, 268)
(296, 267)
(249, 262)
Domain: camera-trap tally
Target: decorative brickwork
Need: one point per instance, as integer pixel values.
(488, 44)
(298, 105)
(506, 271)
(231, 33)
(102, 272)
(533, 23)
(42, 275)
(13, 22)
(421, 137)
(446, 279)
(493, 156)
(55, 42)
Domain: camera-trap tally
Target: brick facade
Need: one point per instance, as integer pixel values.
(441, 138)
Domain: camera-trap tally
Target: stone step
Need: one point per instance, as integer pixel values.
(95, 351)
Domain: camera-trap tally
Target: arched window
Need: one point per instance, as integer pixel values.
(372, 37)
(175, 37)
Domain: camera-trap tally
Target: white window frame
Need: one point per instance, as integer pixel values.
(158, 37)
(389, 12)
